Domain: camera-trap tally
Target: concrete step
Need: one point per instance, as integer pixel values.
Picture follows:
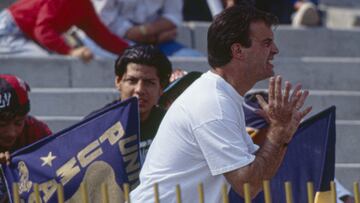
(338, 17)
(347, 141)
(346, 102)
(81, 101)
(341, 3)
(70, 101)
(323, 73)
(318, 41)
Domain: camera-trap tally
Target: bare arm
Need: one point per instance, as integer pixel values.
(284, 115)
(157, 31)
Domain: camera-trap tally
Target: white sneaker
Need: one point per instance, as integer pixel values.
(307, 15)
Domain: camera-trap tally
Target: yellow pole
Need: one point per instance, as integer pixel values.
(267, 191)
(156, 192)
(178, 193)
(333, 191)
(201, 193)
(310, 192)
(127, 192)
(60, 193)
(84, 195)
(224, 193)
(247, 193)
(16, 197)
(288, 192)
(37, 194)
(104, 193)
(356, 192)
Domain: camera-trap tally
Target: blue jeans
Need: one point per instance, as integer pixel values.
(13, 41)
(173, 48)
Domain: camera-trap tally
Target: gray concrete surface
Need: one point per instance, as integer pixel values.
(321, 73)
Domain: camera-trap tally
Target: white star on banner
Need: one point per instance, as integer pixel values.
(47, 160)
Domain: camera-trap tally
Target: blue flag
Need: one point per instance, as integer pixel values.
(310, 157)
(103, 148)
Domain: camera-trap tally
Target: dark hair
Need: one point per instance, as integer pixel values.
(145, 55)
(233, 26)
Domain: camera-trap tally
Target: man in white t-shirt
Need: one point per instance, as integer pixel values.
(202, 138)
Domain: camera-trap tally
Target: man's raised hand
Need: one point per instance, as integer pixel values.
(283, 111)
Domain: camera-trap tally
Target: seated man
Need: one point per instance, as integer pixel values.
(143, 71)
(34, 27)
(17, 128)
(143, 22)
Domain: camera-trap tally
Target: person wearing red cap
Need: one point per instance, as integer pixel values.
(17, 128)
(34, 27)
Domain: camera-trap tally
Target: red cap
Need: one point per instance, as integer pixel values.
(14, 94)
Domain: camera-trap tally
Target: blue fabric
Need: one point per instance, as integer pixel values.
(310, 157)
(107, 139)
(173, 48)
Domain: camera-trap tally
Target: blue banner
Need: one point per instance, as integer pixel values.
(103, 148)
(310, 157)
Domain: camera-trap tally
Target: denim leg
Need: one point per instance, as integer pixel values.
(173, 48)
(13, 41)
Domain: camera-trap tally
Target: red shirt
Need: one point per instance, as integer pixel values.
(45, 20)
(33, 131)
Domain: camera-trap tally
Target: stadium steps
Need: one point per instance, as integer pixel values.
(326, 61)
(322, 73)
(303, 41)
(81, 101)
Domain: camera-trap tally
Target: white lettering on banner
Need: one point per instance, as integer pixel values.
(89, 154)
(5, 99)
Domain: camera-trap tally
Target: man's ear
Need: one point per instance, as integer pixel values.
(117, 82)
(237, 51)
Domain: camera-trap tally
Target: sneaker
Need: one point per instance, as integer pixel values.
(307, 15)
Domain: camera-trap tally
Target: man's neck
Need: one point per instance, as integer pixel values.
(236, 77)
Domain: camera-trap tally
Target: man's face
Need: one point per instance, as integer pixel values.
(142, 82)
(262, 51)
(10, 131)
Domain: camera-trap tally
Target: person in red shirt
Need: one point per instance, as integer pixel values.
(44, 22)
(17, 128)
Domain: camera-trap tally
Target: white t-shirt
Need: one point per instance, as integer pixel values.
(201, 137)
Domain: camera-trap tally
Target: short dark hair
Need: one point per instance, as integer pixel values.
(233, 26)
(145, 55)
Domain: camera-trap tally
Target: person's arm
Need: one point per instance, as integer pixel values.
(284, 115)
(109, 12)
(96, 30)
(47, 34)
(47, 26)
(170, 19)
(162, 29)
(158, 31)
